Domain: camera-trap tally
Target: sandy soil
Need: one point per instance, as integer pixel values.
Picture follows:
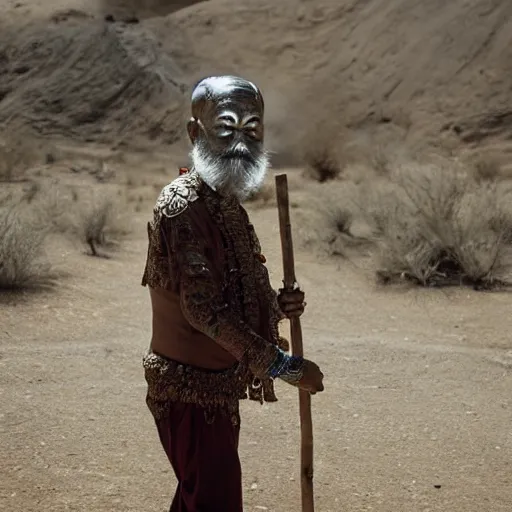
(417, 409)
(417, 394)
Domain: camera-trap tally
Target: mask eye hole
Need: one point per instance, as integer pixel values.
(224, 129)
(252, 122)
(224, 132)
(227, 117)
(252, 126)
(225, 125)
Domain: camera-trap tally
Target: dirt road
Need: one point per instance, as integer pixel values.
(415, 417)
(417, 411)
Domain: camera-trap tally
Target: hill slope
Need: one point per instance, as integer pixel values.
(91, 81)
(423, 66)
(425, 72)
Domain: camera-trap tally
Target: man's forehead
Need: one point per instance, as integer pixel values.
(214, 95)
(237, 107)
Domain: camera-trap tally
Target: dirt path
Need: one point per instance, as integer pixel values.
(417, 412)
(416, 415)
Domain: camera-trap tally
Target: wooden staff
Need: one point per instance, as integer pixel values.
(289, 281)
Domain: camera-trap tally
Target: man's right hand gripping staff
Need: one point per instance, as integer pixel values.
(205, 308)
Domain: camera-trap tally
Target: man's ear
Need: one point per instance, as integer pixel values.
(193, 129)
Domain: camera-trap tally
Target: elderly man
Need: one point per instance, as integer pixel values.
(215, 315)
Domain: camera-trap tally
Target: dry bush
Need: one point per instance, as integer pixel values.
(430, 224)
(342, 237)
(322, 163)
(56, 206)
(88, 215)
(320, 151)
(330, 221)
(101, 225)
(22, 258)
(444, 228)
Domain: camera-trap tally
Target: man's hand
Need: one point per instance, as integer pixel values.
(291, 302)
(312, 378)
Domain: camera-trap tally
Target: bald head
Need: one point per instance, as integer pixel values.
(226, 130)
(217, 91)
(224, 106)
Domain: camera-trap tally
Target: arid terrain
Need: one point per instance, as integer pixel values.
(393, 121)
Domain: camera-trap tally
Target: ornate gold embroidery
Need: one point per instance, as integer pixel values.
(169, 381)
(176, 257)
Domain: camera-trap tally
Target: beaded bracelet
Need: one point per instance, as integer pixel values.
(287, 368)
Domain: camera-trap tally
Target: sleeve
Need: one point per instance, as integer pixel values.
(202, 299)
(273, 311)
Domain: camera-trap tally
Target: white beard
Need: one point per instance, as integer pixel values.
(233, 177)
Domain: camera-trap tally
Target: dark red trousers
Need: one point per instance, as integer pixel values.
(204, 458)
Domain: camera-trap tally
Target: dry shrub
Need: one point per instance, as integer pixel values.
(444, 228)
(320, 152)
(343, 237)
(322, 164)
(330, 220)
(56, 205)
(22, 258)
(90, 215)
(101, 224)
(429, 224)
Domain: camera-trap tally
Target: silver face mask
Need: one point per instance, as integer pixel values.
(229, 112)
(226, 130)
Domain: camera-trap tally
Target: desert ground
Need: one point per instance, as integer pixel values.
(392, 121)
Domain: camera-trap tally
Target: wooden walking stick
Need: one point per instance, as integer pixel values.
(289, 281)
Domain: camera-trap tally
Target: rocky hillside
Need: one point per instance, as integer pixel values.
(420, 72)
